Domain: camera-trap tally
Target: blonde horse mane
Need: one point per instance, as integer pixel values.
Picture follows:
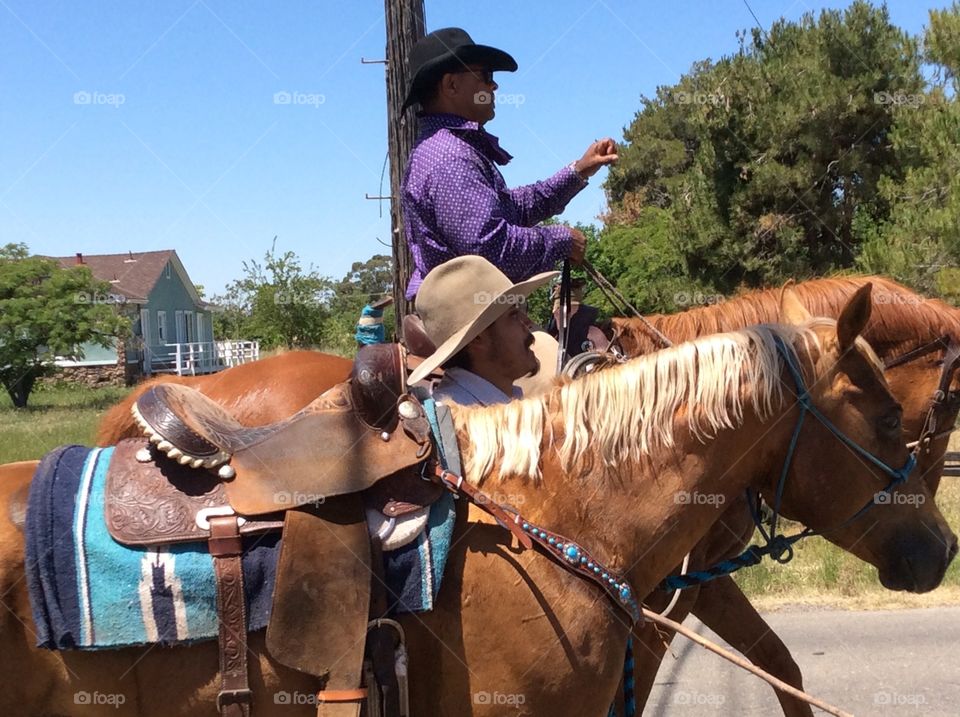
(632, 411)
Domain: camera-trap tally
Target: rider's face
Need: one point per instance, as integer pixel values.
(507, 344)
(475, 90)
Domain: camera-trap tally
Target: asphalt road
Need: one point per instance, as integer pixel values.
(898, 662)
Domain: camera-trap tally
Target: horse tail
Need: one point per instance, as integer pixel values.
(118, 422)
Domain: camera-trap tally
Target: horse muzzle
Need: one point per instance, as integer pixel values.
(918, 561)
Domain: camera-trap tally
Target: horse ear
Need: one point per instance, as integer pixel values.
(854, 317)
(792, 311)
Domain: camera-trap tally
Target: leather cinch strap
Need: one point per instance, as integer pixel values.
(225, 544)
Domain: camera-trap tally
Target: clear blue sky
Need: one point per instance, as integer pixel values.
(133, 125)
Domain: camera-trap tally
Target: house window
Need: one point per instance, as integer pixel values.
(200, 334)
(161, 327)
(189, 327)
(168, 271)
(178, 322)
(145, 326)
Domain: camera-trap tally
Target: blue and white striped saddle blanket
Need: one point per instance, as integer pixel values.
(88, 591)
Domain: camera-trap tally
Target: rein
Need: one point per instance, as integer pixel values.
(620, 302)
(951, 360)
(563, 324)
(779, 546)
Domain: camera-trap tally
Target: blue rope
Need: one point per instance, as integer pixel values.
(629, 696)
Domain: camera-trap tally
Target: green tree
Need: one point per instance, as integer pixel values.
(276, 302)
(919, 242)
(48, 312)
(764, 165)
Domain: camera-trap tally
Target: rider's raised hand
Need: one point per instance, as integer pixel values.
(599, 154)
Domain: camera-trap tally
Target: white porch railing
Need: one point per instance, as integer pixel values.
(234, 353)
(190, 359)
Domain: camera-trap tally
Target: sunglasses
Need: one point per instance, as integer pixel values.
(485, 76)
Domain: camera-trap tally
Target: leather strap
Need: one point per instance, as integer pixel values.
(511, 521)
(381, 644)
(226, 547)
(356, 695)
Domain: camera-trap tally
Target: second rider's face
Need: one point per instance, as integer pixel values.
(508, 342)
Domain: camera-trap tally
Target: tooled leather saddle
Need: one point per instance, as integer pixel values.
(203, 476)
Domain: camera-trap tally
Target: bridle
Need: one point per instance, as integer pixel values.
(951, 361)
(776, 545)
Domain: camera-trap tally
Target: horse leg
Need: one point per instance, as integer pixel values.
(724, 608)
(650, 642)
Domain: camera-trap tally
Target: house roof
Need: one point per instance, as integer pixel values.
(132, 274)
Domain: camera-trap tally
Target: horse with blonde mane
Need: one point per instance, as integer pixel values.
(901, 322)
(601, 459)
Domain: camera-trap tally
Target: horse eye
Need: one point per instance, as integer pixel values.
(890, 423)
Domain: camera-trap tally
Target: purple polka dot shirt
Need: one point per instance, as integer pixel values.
(456, 202)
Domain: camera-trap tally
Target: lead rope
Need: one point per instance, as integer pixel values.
(774, 682)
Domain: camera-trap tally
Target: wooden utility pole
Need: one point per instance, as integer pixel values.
(405, 25)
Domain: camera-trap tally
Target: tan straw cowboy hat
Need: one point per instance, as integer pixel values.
(459, 299)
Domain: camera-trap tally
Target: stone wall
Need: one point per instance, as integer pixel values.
(92, 376)
(118, 374)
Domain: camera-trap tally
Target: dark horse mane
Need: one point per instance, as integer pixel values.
(907, 318)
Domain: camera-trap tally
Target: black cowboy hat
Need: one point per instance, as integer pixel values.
(442, 49)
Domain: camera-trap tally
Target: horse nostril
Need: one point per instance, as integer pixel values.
(952, 550)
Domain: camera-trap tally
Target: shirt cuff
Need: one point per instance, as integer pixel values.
(580, 180)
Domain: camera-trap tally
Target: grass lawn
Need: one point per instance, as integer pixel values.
(54, 416)
(819, 574)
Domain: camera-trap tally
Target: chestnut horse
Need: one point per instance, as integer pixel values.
(902, 321)
(602, 459)
(257, 393)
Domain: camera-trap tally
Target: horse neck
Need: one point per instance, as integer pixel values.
(642, 518)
